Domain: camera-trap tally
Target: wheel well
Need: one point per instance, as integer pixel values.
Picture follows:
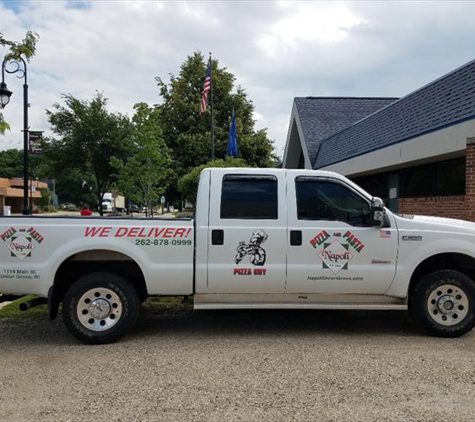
(446, 261)
(82, 263)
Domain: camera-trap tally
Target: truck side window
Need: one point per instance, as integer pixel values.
(327, 200)
(249, 197)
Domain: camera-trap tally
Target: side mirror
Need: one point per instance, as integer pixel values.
(377, 212)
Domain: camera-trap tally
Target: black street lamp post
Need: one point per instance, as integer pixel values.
(4, 100)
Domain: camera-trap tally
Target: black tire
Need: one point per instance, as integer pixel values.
(443, 303)
(100, 308)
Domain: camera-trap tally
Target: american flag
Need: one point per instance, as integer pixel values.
(206, 89)
(385, 234)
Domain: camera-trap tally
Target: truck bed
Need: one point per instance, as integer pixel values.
(35, 251)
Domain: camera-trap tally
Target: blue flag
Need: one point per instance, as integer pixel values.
(232, 139)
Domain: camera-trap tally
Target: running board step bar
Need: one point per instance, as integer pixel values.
(340, 306)
(294, 301)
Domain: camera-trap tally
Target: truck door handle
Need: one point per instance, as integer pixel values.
(217, 237)
(295, 237)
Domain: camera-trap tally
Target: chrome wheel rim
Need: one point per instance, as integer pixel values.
(99, 309)
(448, 305)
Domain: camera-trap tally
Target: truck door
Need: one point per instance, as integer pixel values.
(247, 232)
(332, 248)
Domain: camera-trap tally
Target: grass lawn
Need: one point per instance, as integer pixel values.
(12, 311)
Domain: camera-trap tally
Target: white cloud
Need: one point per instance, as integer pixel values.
(277, 50)
(316, 22)
(307, 22)
(257, 116)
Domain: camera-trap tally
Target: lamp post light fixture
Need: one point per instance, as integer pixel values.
(4, 100)
(5, 94)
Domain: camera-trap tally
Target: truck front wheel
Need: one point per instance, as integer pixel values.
(100, 308)
(443, 303)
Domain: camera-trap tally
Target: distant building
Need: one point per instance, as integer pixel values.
(416, 152)
(11, 194)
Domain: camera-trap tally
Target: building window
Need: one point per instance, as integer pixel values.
(418, 181)
(327, 200)
(451, 177)
(446, 178)
(375, 185)
(249, 197)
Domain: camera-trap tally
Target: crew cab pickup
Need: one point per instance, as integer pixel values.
(261, 238)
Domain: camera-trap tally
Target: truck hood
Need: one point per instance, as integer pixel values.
(424, 223)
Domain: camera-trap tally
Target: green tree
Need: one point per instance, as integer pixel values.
(89, 138)
(69, 188)
(11, 163)
(23, 49)
(144, 175)
(188, 184)
(44, 202)
(188, 133)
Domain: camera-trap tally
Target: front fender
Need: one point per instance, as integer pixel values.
(412, 253)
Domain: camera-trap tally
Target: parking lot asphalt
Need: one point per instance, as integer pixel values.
(239, 366)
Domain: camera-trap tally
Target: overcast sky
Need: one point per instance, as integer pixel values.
(277, 50)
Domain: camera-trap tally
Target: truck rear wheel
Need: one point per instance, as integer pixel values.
(443, 303)
(100, 308)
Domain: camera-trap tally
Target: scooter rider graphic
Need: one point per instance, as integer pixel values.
(257, 254)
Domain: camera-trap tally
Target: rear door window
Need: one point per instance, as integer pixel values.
(249, 197)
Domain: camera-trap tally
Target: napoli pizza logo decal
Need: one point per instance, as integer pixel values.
(21, 242)
(336, 254)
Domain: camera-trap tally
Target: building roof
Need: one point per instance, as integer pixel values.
(13, 188)
(19, 183)
(18, 193)
(444, 102)
(322, 117)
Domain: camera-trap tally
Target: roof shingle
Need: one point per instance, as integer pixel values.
(444, 102)
(322, 117)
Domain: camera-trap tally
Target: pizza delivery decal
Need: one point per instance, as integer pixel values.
(254, 252)
(336, 253)
(21, 242)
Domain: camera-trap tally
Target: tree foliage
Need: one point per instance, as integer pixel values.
(11, 163)
(137, 156)
(144, 175)
(89, 137)
(25, 48)
(17, 49)
(188, 184)
(69, 187)
(188, 133)
(45, 201)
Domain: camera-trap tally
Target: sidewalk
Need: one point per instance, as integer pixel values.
(4, 304)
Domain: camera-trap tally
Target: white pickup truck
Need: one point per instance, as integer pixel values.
(262, 238)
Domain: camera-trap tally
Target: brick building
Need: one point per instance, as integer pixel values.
(11, 194)
(416, 152)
